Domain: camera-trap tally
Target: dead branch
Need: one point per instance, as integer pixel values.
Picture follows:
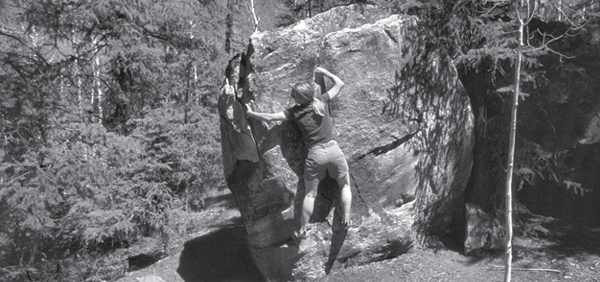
(532, 269)
(254, 15)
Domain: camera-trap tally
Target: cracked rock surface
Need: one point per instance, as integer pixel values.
(403, 121)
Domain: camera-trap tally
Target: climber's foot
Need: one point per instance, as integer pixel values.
(298, 236)
(346, 223)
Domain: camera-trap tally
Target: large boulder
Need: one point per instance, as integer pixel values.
(403, 122)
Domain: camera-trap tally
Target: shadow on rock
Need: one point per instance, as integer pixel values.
(221, 256)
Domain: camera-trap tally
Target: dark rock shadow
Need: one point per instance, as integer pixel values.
(221, 256)
(431, 101)
(337, 240)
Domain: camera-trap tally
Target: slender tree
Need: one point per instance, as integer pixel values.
(512, 137)
(254, 17)
(524, 12)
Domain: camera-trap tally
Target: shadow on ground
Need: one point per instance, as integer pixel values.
(561, 240)
(221, 256)
(572, 238)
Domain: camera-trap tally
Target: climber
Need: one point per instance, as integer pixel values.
(311, 114)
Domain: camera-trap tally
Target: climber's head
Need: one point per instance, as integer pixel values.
(303, 93)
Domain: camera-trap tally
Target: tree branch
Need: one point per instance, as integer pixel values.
(254, 15)
(532, 269)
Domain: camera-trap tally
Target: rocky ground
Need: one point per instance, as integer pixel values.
(218, 253)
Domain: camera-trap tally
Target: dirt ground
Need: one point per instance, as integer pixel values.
(219, 253)
(532, 264)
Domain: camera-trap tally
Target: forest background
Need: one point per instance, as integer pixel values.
(109, 128)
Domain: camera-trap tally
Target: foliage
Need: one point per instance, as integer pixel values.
(186, 150)
(107, 121)
(481, 37)
(86, 267)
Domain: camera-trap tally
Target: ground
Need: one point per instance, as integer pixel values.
(218, 253)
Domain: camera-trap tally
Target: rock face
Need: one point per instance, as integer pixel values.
(403, 122)
(484, 231)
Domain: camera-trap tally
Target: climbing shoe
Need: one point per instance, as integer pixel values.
(346, 224)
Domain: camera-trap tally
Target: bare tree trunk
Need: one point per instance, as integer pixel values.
(77, 74)
(254, 15)
(511, 147)
(75, 46)
(187, 97)
(191, 80)
(97, 94)
(195, 73)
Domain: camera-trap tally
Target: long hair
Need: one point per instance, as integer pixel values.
(304, 93)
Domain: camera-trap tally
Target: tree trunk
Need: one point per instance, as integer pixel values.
(254, 18)
(97, 89)
(75, 47)
(511, 148)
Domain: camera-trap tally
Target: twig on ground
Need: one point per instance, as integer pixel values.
(532, 269)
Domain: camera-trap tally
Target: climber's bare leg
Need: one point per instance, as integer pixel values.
(346, 195)
(309, 202)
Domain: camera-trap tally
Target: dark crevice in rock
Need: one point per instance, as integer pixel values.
(238, 130)
(144, 260)
(386, 148)
(391, 35)
(393, 249)
(235, 128)
(358, 190)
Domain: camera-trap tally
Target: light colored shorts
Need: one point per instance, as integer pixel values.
(325, 158)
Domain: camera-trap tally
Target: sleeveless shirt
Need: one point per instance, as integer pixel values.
(315, 129)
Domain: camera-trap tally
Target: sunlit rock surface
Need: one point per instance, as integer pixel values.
(403, 121)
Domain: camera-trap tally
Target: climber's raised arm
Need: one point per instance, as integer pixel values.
(338, 83)
(265, 116)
